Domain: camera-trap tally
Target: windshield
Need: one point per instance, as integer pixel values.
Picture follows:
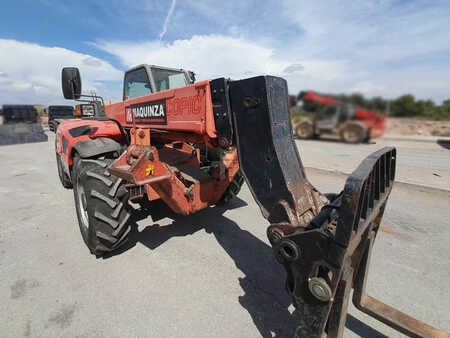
(137, 84)
(328, 112)
(168, 79)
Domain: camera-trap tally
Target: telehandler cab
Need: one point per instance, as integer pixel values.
(192, 144)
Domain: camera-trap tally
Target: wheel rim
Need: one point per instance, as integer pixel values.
(82, 202)
(302, 131)
(351, 135)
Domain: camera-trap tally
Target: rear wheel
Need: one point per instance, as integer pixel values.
(101, 202)
(304, 130)
(233, 189)
(353, 133)
(65, 180)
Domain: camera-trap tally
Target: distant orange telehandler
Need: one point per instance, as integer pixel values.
(352, 124)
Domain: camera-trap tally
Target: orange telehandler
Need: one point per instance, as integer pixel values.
(192, 144)
(352, 124)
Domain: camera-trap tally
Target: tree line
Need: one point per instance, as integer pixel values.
(403, 106)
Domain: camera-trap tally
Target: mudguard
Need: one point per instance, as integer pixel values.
(94, 147)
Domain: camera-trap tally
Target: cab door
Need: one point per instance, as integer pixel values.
(327, 117)
(137, 82)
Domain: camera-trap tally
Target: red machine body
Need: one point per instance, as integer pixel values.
(320, 99)
(65, 140)
(375, 122)
(165, 130)
(335, 117)
(188, 110)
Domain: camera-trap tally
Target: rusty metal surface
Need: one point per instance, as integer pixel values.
(173, 174)
(140, 136)
(322, 243)
(335, 249)
(268, 156)
(338, 314)
(365, 194)
(398, 320)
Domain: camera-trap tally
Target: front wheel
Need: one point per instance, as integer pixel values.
(304, 130)
(101, 201)
(353, 133)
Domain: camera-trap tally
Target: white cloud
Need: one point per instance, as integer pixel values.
(167, 20)
(294, 68)
(367, 87)
(379, 47)
(371, 30)
(391, 48)
(31, 74)
(211, 56)
(346, 46)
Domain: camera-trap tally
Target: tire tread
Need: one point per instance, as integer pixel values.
(107, 200)
(105, 180)
(108, 207)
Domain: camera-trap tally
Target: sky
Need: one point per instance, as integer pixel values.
(377, 48)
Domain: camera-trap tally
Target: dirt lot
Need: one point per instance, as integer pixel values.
(410, 126)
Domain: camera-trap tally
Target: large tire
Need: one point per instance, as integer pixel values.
(233, 189)
(304, 130)
(64, 179)
(101, 202)
(353, 133)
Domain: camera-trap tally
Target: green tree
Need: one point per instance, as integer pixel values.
(427, 108)
(358, 99)
(441, 112)
(446, 106)
(378, 103)
(405, 105)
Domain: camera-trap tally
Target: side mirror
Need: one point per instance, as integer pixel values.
(191, 76)
(71, 83)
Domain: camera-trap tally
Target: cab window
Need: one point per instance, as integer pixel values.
(137, 83)
(168, 79)
(327, 113)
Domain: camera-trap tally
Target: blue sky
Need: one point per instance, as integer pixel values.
(378, 47)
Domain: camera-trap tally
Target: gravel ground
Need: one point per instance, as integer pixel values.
(211, 274)
(409, 126)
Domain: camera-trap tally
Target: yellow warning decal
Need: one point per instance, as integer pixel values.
(150, 170)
